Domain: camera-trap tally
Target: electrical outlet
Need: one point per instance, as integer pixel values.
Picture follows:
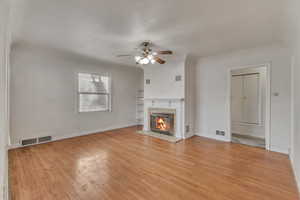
(148, 81)
(222, 133)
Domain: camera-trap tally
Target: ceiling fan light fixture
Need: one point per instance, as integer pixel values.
(150, 57)
(146, 55)
(145, 61)
(137, 58)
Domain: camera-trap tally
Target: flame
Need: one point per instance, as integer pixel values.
(160, 124)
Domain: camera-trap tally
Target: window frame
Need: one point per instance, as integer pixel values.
(109, 94)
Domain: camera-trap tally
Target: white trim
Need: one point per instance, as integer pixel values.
(291, 148)
(296, 175)
(214, 137)
(68, 136)
(279, 150)
(76, 81)
(268, 100)
(188, 135)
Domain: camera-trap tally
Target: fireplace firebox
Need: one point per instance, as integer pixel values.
(162, 123)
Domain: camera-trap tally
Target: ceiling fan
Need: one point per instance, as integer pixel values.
(146, 55)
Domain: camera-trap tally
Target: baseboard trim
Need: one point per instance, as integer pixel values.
(279, 150)
(215, 137)
(296, 175)
(68, 136)
(187, 136)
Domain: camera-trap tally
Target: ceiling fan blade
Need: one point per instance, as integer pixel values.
(124, 55)
(159, 60)
(164, 52)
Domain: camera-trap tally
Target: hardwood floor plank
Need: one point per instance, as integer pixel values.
(122, 164)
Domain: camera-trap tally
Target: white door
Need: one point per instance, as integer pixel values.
(245, 99)
(237, 99)
(251, 99)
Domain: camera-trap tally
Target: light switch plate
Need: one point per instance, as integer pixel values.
(178, 78)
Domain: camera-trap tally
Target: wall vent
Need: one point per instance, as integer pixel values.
(29, 141)
(222, 133)
(45, 139)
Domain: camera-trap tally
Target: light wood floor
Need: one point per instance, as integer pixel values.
(124, 165)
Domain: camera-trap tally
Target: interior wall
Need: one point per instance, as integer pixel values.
(250, 129)
(293, 37)
(44, 94)
(212, 88)
(162, 80)
(190, 97)
(4, 14)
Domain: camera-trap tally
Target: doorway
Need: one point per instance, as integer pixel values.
(249, 106)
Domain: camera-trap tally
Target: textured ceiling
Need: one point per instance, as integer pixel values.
(104, 28)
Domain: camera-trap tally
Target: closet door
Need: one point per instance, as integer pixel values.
(237, 99)
(251, 99)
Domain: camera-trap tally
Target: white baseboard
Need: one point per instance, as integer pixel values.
(67, 136)
(296, 174)
(4, 186)
(189, 135)
(6, 192)
(279, 150)
(214, 137)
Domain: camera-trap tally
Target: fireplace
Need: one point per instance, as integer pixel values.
(163, 123)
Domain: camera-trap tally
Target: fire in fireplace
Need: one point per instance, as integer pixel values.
(162, 123)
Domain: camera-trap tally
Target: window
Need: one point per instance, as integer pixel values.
(93, 92)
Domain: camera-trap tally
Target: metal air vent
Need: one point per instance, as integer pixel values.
(29, 141)
(45, 139)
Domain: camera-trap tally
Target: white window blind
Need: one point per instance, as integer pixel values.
(94, 92)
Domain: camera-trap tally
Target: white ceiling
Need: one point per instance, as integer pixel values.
(104, 28)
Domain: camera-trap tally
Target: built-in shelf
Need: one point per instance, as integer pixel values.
(140, 107)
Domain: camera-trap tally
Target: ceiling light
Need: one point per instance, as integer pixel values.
(137, 58)
(150, 57)
(145, 61)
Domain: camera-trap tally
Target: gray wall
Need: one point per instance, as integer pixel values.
(4, 8)
(293, 37)
(190, 97)
(44, 94)
(162, 77)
